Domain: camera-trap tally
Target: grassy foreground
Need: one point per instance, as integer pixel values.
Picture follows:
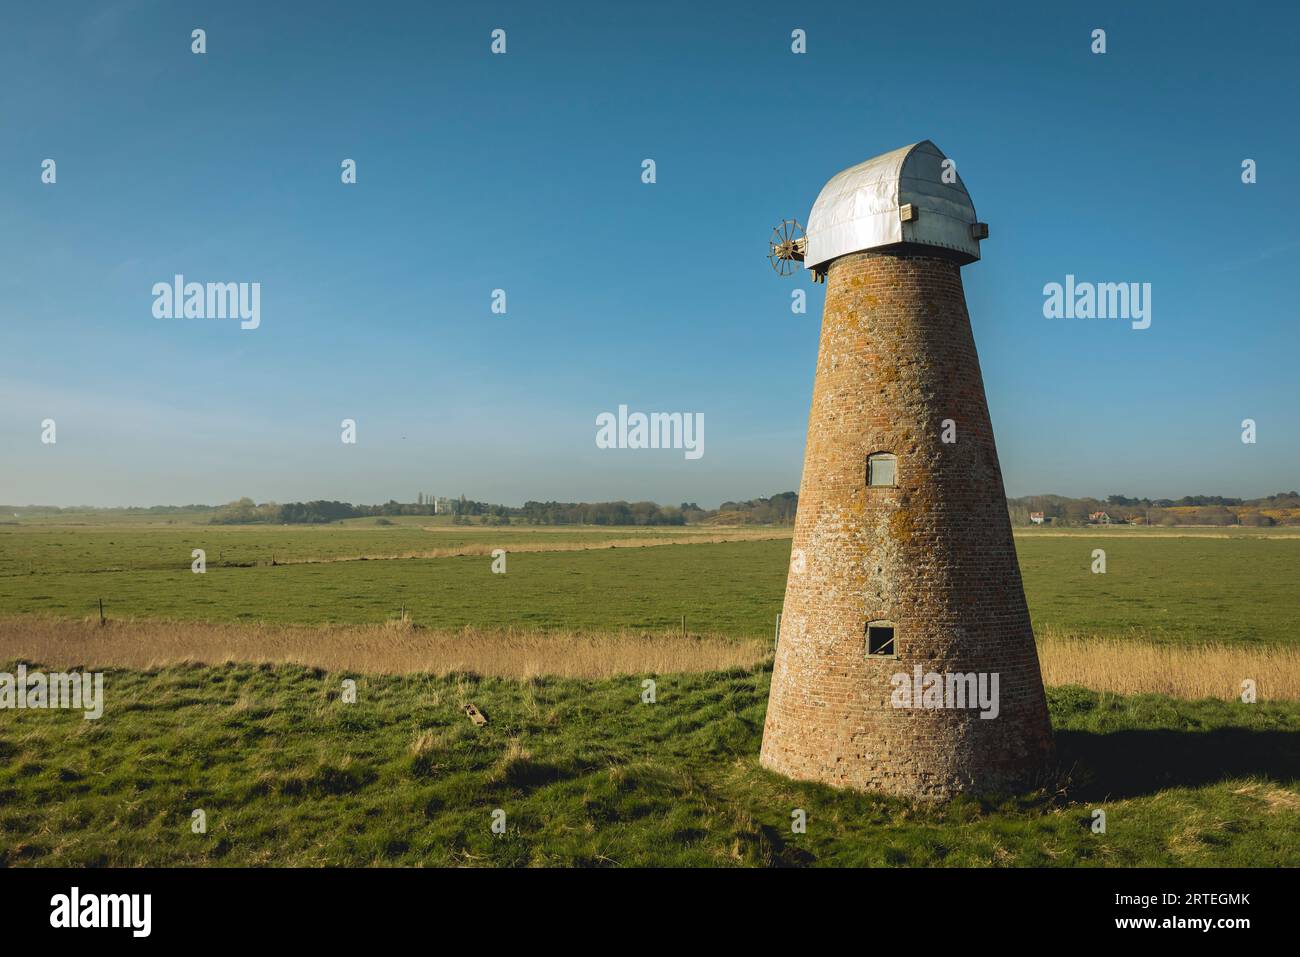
(587, 774)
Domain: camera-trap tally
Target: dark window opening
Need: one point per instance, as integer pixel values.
(880, 640)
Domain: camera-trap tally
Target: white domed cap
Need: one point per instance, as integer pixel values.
(898, 197)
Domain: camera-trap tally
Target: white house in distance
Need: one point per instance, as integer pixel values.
(1098, 518)
(1036, 518)
(441, 506)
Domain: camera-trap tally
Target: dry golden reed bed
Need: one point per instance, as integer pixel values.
(391, 648)
(1182, 671)
(1130, 666)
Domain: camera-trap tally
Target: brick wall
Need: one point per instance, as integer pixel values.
(934, 555)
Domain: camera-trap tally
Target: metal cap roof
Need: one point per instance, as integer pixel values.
(866, 207)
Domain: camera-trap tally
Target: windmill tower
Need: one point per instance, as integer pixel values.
(905, 661)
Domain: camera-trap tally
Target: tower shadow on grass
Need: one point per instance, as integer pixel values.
(1127, 764)
(783, 854)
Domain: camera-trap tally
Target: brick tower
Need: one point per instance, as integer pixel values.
(905, 662)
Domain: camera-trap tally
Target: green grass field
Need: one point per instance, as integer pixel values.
(1231, 589)
(731, 588)
(42, 549)
(586, 774)
(1167, 589)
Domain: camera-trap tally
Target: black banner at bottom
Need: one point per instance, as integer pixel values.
(235, 906)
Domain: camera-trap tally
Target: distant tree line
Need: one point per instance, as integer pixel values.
(1282, 508)
(601, 513)
(777, 510)
(245, 511)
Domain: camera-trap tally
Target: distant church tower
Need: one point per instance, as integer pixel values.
(903, 562)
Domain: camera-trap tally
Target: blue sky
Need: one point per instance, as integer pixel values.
(523, 172)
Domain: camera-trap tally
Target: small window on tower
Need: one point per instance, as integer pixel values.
(880, 639)
(882, 469)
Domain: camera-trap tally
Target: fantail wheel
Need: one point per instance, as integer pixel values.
(787, 247)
